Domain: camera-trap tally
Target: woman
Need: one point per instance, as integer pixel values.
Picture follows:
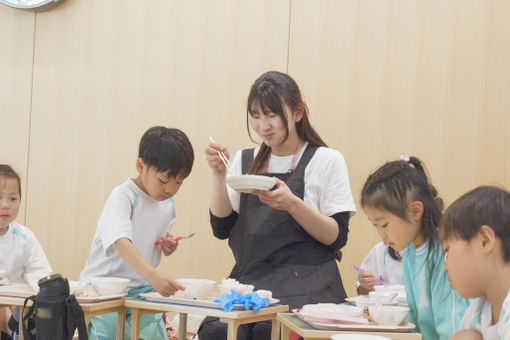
(284, 240)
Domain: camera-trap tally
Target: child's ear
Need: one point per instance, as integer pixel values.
(139, 165)
(487, 238)
(415, 210)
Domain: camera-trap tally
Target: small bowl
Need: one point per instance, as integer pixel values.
(358, 337)
(2, 274)
(388, 315)
(390, 288)
(109, 285)
(197, 288)
(33, 279)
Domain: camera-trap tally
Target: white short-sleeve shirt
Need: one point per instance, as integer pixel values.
(382, 265)
(21, 253)
(327, 187)
(128, 213)
(478, 317)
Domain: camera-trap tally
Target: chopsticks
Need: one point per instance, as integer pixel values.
(224, 159)
(379, 281)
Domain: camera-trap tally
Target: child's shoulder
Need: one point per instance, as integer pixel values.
(21, 232)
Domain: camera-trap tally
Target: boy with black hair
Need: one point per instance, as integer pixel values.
(138, 213)
(475, 234)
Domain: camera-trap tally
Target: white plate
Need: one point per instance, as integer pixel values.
(363, 300)
(330, 317)
(99, 298)
(22, 290)
(156, 297)
(247, 183)
(402, 328)
(4, 281)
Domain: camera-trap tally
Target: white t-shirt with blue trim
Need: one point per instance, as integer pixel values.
(382, 265)
(128, 213)
(21, 253)
(478, 317)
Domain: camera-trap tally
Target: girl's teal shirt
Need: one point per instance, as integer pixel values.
(434, 307)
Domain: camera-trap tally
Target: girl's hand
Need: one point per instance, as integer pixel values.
(213, 159)
(168, 245)
(164, 284)
(282, 198)
(367, 280)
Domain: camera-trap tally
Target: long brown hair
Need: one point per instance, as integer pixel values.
(269, 93)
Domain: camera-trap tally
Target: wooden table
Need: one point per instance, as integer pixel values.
(290, 322)
(89, 310)
(234, 318)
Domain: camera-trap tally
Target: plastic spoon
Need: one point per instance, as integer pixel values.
(176, 238)
(361, 270)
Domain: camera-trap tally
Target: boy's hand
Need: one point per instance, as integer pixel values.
(168, 245)
(367, 280)
(164, 284)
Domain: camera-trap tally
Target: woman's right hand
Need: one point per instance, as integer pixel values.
(214, 159)
(367, 280)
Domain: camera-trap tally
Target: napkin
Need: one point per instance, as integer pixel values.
(227, 301)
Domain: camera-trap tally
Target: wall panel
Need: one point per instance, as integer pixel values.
(16, 41)
(425, 78)
(104, 72)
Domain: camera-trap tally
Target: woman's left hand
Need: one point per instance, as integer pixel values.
(168, 245)
(281, 198)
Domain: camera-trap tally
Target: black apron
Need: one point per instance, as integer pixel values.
(273, 252)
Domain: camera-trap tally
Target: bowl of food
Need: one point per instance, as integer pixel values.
(248, 183)
(197, 288)
(388, 315)
(109, 285)
(227, 285)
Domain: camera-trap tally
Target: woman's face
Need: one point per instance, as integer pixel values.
(395, 231)
(271, 128)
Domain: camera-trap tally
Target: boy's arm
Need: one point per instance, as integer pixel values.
(161, 282)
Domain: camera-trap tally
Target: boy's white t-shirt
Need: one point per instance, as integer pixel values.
(478, 317)
(327, 187)
(382, 265)
(128, 213)
(21, 253)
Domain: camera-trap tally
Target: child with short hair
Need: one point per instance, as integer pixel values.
(405, 210)
(475, 234)
(25, 254)
(138, 213)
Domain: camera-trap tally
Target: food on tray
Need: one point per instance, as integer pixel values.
(265, 293)
(227, 285)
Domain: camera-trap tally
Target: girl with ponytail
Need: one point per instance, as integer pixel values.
(405, 210)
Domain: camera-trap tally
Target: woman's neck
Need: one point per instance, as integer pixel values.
(289, 147)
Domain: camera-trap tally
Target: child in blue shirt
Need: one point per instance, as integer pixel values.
(405, 210)
(137, 214)
(475, 234)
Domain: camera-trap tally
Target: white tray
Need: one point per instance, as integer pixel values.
(99, 298)
(156, 297)
(402, 328)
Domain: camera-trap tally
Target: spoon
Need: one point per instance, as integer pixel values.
(177, 238)
(362, 271)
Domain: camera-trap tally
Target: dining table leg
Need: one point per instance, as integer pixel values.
(285, 332)
(275, 329)
(183, 325)
(121, 323)
(20, 329)
(232, 329)
(135, 323)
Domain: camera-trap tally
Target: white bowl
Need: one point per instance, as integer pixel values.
(388, 315)
(241, 288)
(197, 288)
(390, 288)
(247, 183)
(109, 285)
(358, 337)
(33, 278)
